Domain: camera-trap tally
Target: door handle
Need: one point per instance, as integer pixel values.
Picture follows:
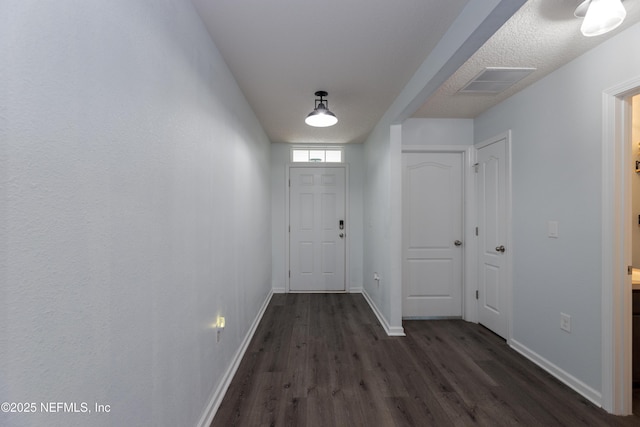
(500, 248)
(457, 243)
(341, 235)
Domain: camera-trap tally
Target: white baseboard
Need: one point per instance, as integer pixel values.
(355, 290)
(279, 290)
(589, 393)
(392, 331)
(216, 398)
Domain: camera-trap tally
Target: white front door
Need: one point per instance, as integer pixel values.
(317, 229)
(432, 195)
(492, 236)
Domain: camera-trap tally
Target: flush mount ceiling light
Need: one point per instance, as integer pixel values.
(600, 16)
(321, 117)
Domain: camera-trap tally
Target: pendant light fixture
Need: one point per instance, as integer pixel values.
(600, 16)
(321, 117)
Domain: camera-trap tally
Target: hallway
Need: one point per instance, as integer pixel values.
(323, 359)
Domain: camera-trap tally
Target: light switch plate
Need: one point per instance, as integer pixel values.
(565, 322)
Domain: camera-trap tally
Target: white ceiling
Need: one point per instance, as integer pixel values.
(363, 52)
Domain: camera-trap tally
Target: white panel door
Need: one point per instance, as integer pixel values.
(492, 235)
(432, 195)
(316, 240)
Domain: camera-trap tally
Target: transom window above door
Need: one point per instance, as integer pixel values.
(317, 155)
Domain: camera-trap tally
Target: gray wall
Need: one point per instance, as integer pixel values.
(134, 209)
(437, 132)
(557, 175)
(382, 157)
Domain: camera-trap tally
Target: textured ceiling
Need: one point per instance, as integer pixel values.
(363, 52)
(543, 34)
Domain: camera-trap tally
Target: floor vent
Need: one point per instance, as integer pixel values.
(493, 80)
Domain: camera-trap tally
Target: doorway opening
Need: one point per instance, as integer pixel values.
(618, 166)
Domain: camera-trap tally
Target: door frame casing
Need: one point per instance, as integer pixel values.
(616, 394)
(508, 218)
(287, 267)
(469, 252)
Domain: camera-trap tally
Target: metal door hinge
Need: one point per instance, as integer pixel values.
(289, 273)
(476, 231)
(477, 294)
(629, 270)
(475, 166)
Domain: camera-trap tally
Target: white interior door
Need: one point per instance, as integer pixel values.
(432, 195)
(492, 237)
(317, 229)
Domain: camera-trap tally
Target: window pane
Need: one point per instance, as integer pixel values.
(316, 155)
(334, 156)
(300, 155)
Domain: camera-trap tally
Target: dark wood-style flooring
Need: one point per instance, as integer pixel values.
(324, 360)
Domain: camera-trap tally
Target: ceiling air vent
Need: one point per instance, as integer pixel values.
(493, 80)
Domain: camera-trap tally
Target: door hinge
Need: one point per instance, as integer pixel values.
(289, 183)
(477, 294)
(476, 231)
(630, 270)
(289, 273)
(475, 166)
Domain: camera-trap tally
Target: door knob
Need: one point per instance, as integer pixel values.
(500, 248)
(341, 235)
(457, 243)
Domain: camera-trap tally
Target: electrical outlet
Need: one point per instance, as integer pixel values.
(565, 322)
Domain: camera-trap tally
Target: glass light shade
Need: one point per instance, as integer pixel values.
(602, 16)
(321, 117)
